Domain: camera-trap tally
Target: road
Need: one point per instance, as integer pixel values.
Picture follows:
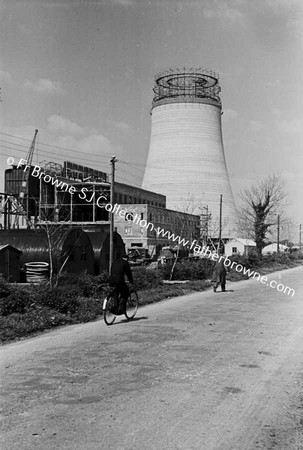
(206, 371)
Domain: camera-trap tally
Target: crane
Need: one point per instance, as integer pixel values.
(24, 192)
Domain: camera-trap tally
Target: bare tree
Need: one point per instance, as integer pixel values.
(261, 205)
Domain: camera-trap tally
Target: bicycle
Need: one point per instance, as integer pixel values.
(111, 302)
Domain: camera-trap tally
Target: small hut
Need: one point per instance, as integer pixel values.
(10, 263)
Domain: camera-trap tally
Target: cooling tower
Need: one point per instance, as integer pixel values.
(186, 160)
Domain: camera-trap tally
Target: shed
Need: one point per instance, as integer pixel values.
(100, 241)
(10, 263)
(70, 247)
(272, 248)
(239, 246)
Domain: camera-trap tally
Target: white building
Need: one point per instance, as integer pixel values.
(239, 246)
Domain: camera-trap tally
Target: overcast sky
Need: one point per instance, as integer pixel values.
(82, 72)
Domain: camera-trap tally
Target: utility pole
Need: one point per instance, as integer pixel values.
(220, 224)
(111, 214)
(278, 236)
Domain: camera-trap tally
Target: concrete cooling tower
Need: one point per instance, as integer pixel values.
(186, 160)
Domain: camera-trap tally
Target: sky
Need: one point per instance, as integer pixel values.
(82, 73)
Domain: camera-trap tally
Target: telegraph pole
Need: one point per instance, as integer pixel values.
(111, 214)
(278, 235)
(220, 224)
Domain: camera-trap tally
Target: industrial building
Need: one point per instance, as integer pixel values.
(142, 222)
(71, 197)
(186, 159)
(71, 193)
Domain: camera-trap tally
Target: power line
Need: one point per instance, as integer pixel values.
(49, 145)
(85, 159)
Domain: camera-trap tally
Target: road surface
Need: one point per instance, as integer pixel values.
(206, 371)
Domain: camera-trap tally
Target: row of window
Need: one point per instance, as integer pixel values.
(161, 218)
(129, 199)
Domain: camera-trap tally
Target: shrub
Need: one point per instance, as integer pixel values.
(37, 319)
(88, 309)
(146, 278)
(188, 269)
(88, 285)
(16, 302)
(63, 299)
(4, 288)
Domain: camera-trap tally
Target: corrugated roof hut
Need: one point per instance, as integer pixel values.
(100, 242)
(69, 246)
(10, 263)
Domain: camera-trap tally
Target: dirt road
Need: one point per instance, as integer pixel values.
(206, 371)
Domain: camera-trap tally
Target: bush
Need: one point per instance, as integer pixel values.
(188, 269)
(63, 299)
(88, 309)
(146, 278)
(87, 285)
(16, 302)
(5, 288)
(37, 319)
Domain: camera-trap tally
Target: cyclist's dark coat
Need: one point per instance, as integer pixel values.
(120, 268)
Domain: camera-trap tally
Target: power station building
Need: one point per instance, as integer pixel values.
(76, 196)
(186, 160)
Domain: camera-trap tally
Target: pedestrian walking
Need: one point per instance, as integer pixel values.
(219, 274)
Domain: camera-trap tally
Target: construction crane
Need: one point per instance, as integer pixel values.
(24, 192)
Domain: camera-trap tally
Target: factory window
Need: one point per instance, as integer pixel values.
(234, 250)
(142, 216)
(150, 217)
(128, 230)
(129, 216)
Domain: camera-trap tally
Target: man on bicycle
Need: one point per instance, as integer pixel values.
(119, 269)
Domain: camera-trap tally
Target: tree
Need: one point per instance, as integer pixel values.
(262, 203)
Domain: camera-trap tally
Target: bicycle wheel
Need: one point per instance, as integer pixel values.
(109, 306)
(131, 305)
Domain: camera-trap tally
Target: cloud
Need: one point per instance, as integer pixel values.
(5, 77)
(276, 112)
(44, 86)
(59, 124)
(229, 114)
(123, 2)
(122, 126)
(225, 11)
(256, 125)
(273, 83)
(294, 126)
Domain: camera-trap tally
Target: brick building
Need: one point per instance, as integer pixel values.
(139, 226)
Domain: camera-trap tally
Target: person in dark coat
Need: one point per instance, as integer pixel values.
(219, 275)
(119, 270)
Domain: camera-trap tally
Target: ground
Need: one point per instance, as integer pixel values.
(206, 371)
